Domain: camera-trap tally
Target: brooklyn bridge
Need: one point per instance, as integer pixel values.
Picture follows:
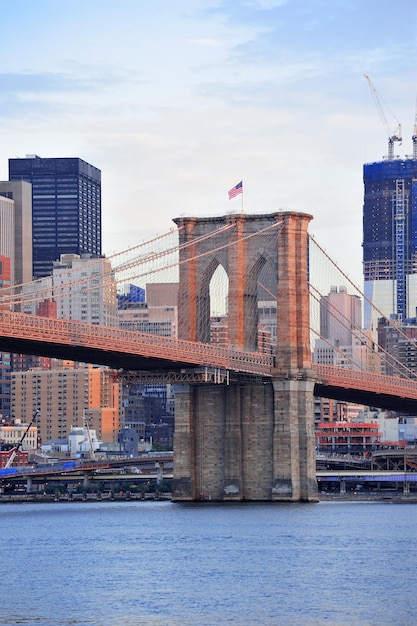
(244, 417)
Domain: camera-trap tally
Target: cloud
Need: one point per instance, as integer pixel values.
(177, 101)
(50, 82)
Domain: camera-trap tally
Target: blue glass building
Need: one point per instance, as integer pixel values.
(66, 208)
(390, 239)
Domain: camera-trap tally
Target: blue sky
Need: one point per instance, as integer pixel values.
(178, 100)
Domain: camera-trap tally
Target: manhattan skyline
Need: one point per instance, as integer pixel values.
(177, 102)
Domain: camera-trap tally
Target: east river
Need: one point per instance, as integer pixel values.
(165, 564)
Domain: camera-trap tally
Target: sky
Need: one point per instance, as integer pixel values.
(176, 101)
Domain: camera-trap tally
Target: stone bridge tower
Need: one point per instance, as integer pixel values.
(250, 439)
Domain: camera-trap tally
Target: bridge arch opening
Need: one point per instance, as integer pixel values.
(219, 292)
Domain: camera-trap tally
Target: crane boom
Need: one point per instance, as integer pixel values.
(392, 136)
(414, 137)
(17, 448)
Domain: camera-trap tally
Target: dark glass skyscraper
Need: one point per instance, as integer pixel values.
(66, 208)
(390, 239)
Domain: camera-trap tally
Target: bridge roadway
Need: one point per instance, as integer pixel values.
(370, 481)
(147, 463)
(366, 475)
(367, 388)
(119, 349)
(99, 472)
(135, 351)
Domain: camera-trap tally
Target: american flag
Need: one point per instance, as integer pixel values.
(236, 190)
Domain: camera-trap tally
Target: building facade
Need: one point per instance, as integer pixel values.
(5, 357)
(67, 397)
(348, 437)
(84, 290)
(148, 410)
(399, 344)
(342, 341)
(20, 193)
(7, 247)
(12, 432)
(390, 239)
(66, 207)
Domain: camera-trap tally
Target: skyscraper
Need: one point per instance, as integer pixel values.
(7, 247)
(66, 208)
(5, 366)
(390, 239)
(20, 192)
(342, 341)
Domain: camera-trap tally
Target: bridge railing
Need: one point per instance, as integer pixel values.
(364, 380)
(106, 338)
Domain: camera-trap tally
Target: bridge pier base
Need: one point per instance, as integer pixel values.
(251, 442)
(294, 441)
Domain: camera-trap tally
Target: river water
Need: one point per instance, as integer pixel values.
(165, 564)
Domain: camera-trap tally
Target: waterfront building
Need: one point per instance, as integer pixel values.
(65, 396)
(82, 441)
(353, 437)
(390, 240)
(21, 458)
(388, 425)
(12, 432)
(66, 207)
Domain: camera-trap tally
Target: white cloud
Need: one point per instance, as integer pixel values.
(176, 102)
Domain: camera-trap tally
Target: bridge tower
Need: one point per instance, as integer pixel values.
(250, 439)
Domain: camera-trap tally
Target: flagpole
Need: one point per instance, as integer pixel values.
(242, 198)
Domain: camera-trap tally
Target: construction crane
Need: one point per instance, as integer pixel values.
(414, 137)
(92, 454)
(394, 136)
(17, 448)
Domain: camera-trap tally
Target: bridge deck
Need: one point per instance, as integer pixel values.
(119, 348)
(136, 351)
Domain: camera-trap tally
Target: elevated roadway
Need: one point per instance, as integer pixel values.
(177, 359)
(119, 349)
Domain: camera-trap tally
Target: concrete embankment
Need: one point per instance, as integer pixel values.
(125, 497)
(81, 497)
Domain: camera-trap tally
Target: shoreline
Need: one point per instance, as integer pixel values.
(152, 497)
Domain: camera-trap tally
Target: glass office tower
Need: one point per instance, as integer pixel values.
(66, 208)
(390, 239)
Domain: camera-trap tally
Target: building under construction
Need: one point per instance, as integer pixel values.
(390, 239)
(390, 230)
